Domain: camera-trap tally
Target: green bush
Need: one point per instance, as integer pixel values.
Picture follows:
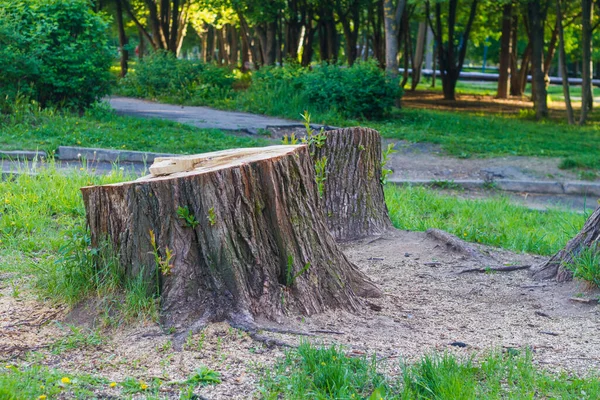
(586, 265)
(162, 75)
(53, 51)
(360, 91)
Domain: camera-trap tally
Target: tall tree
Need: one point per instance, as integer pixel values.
(123, 41)
(505, 51)
(536, 12)
(452, 48)
(392, 15)
(586, 72)
(165, 22)
(563, 63)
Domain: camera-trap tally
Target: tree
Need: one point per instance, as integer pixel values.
(536, 12)
(451, 49)
(234, 235)
(563, 63)
(166, 21)
(392, 15)
(586, 73)
(505, 51)
(123, 41)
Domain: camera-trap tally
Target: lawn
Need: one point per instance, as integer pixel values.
(32, 129)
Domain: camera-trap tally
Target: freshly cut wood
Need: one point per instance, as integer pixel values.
(556, 267)
(233, 235)
(353, 196)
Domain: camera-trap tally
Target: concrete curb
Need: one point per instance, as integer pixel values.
(68, 153)
(23, 155)
(537, 187)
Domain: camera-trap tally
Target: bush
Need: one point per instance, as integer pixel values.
(161, 75)
(53, 51)
(360, 91)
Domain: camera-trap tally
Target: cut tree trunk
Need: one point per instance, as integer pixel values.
(555, 268)
(352, 194)
(247, 236)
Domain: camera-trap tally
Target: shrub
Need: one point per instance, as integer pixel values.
(53, 51)
(161, 74)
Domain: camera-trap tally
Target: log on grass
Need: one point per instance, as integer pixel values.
(352, 192)
(238, 235)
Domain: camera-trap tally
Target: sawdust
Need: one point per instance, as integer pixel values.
(428, 305)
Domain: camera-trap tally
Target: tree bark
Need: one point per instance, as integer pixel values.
(392, 14)
(123, 42)
(537, 15)
(563, 63)
(247, 236)
(417, 59)
(556, 267)
(505, 52)
(352, 194)
(586, 71)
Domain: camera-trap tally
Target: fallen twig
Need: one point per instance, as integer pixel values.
(549, 333)
(327, 332)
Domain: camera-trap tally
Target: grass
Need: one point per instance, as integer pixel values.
(328, 373)
(466, 135)
(495, 222)
(39, 382)
(32, 129)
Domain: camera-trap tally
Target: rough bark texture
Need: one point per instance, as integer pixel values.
(537, 16)
(555, 267)
(255, 243)
(353, 197)
(505, 52)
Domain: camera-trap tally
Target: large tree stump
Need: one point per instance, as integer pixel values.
(246, 231)
(353, 196)
(555, 267)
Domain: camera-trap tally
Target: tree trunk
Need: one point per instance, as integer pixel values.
(123, 42)
(537, 15)
(563, 64)
(586, 71)
(239, 235)
(417, 64)
(555, 268)
(352, 192)
(392, 14)
(505, 52)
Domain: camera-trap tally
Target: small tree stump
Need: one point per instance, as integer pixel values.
(353, 196)
(555, 267)
(247, 236)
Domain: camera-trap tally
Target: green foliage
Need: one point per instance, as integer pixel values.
(385, 158)
(204, 376)
(495, 221)
(586, 265)
(53, 51)
(362, 91)
(189, 218)
(328, 373)
(161, 75)
(321, 174)
(312, 373)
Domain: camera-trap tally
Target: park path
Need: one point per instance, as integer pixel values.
(201, 117)
(534, 181)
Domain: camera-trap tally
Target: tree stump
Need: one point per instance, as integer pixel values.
(555, 267)
(352, 194)
(232, 235)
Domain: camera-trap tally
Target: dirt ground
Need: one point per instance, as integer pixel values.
(428, 305)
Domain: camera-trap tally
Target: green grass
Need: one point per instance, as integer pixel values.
(32, 129)
(495, 222)
(328, 373)
(40, 382)
(466, 135)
